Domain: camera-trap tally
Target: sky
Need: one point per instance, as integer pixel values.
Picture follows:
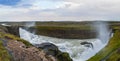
(59, 10)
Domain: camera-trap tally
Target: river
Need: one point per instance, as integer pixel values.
(77, 51)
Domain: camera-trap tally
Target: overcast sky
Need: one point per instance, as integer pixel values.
(59, 10)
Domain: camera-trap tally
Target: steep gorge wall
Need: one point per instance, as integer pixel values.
(68, 34)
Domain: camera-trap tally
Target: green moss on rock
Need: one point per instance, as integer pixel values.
(13, 37)
(64, 56)
(4, 55)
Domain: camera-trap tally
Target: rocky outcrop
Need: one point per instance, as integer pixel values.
(64, 56)
(21, 52)
(87, 44)
(13, 29)
(51, 49)
(3, 29)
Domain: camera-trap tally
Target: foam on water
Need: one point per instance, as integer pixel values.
(77, 51)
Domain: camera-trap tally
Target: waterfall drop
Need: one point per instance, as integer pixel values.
(103, 31)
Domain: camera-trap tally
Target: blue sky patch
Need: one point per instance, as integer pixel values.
(9, 2)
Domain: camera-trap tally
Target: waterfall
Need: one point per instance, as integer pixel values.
(103, 31)
(77, 51)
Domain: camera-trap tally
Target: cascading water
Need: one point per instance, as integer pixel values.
(77, 51)
(103, 31)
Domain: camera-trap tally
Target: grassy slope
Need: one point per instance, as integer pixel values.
(4, 55)
(112, 46)
(115, 56)
(13, 37)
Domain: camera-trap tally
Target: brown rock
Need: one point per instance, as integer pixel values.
(21, 53)
(118, 51)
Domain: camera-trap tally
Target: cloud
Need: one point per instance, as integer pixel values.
(70, 10)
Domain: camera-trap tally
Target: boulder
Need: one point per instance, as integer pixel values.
(64, 56)
(49, 48)
(87, 44)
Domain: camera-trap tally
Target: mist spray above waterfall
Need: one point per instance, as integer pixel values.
(103, 32)
(28, 26)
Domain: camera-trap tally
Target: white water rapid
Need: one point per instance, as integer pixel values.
(72, 46)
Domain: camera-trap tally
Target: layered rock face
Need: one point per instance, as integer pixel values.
(14, 29)
(67, 34)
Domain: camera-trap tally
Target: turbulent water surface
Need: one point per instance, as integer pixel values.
(77, 51)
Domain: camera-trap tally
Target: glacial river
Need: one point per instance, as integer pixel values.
(77, 51)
